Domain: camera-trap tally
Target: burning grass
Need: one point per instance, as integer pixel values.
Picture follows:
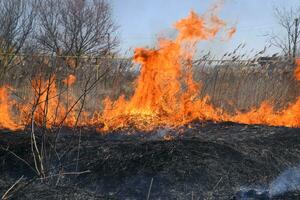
(165, 93)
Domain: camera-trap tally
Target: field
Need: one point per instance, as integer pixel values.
(82, 119)
(200, 160)
(203, 160)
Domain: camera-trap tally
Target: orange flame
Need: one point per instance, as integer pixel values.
(47, 107)
(6, 104)
(197, 27)
(53, 108)
(266, 114)
(297, 70)
(231, 32)
(70, 80)
(166, 93)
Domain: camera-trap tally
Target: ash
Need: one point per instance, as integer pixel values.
(202, 160)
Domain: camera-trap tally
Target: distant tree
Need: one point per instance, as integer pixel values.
(76, 27)
(288, 19)
(16, 25)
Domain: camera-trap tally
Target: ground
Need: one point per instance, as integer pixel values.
(199, 161)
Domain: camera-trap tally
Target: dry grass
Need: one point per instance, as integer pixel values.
(237, 86)
(232, 85)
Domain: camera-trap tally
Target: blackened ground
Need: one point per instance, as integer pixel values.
(201, 161)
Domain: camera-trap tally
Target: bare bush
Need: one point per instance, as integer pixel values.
(16, 23)
(76, 27)
(287, 19)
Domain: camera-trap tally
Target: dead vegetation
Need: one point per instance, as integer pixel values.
(206, 160)
(241, 86)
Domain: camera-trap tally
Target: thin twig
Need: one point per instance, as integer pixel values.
(215, 187)
(78, 151)
(66, 173)
(11, 187)
(149, 190)
(19, 158)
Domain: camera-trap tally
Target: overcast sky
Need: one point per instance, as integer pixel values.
(141, 20)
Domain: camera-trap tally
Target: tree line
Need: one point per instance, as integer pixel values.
(55, 27)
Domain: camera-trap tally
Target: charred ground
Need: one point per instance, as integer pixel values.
(202, 160)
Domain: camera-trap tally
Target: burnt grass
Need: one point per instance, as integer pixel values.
(201, 161)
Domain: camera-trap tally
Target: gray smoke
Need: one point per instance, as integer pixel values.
(287, 181)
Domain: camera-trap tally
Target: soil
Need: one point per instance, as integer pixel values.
(198, 161)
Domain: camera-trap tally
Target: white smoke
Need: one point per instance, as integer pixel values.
(289, 180)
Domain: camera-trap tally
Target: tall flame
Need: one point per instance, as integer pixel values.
(165, 92)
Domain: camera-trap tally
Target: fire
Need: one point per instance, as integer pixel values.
(231, 32)
(198, 28)
(168, 137)
(6, 104)
(165, 93)
(51, 108)
(45, 101)
(70, 80)
(47, 107)
(266, 114)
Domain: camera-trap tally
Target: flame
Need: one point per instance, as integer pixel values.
(166, 93)
(297, 70)
(46, 101)
(231, 32)
(266, 114)
(70, 80)
(47, 107)
(6, 104)
(168, 137)
(197, 27)
(51, 107)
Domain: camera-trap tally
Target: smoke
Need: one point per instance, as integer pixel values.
(287, 181)
(246, 193)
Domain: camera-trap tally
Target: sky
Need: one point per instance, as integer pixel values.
(141, 21)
